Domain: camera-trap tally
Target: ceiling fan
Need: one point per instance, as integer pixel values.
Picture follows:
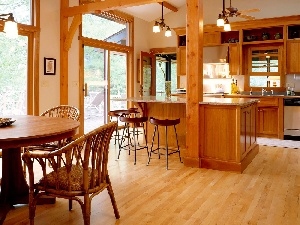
(232, 11)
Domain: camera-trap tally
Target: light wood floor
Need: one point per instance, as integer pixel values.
(266, 193)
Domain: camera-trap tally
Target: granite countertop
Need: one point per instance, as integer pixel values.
(177, 99)
(159, 99)
(227, 101)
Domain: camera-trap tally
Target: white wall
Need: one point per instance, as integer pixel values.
(49, 47)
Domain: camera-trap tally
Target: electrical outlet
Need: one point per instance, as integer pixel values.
(291, 85)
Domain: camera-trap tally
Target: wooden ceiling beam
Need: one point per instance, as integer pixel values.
(69, 37)
(169, 6)
(103, 6)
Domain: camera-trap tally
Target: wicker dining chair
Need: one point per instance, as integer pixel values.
(63, 111)
(83, 173)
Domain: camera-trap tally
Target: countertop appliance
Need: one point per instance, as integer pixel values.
(292, 119)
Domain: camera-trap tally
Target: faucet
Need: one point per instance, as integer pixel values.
(272, 92)
(263, 91)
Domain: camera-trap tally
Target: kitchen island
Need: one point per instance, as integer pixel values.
(228, 128)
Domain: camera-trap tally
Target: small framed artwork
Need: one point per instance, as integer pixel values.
(49, 66)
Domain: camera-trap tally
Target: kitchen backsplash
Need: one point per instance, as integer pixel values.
(294, 80)
(215, 85)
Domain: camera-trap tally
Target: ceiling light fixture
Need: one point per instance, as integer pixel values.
(223, 19)
(10, 26)
(161, 25)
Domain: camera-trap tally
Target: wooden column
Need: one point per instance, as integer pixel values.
(194, 28)
(64, 54)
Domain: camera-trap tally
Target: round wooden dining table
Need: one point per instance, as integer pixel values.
(25, 131)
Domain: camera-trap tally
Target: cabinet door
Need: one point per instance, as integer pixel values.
(181, 60)
(234, 59)
(246, 130)
(268, 121)
(211, 38)
(293, 57)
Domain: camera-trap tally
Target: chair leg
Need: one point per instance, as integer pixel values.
(112, 197)
(32, 207)
(167, 149)
(151, 149)
(135, 143)
(177, 144)
(70, 204)
(86, 210)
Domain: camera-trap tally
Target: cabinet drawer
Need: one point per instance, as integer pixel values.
(267, 102)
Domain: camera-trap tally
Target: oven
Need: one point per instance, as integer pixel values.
(292, 119)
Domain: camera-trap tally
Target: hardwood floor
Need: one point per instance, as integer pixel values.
(266, 193)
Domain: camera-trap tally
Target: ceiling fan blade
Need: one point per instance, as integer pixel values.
(247, 17)
(249, 10)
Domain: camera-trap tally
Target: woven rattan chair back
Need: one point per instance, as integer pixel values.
(63, 111)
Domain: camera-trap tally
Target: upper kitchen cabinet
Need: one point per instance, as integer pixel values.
(230, 37)
(293, 56)
(211, 38)
(181, 60)
(263, 35)
(280, 32)
(234, 59)
(293, 32)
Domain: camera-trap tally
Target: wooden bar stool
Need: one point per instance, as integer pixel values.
(132, 135)
(165, 123)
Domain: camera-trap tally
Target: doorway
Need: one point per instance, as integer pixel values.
(105, 78)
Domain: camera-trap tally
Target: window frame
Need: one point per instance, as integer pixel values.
(248, 66)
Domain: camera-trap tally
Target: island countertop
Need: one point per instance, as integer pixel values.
(177, 99)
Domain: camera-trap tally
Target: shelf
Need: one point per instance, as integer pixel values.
(263, 42)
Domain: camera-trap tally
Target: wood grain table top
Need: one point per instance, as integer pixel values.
(28, 130)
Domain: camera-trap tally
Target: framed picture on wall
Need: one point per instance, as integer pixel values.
(49, 66)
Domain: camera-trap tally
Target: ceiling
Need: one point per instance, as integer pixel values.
(211, 9)
(151, 12)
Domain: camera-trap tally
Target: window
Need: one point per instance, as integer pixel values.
(264, 66)
(106, 26)
(21, 10)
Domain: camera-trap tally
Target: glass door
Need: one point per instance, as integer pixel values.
(118, 79)
(95, 86)
(105, 78)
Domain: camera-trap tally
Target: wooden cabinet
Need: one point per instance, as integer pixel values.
(268, 121)
(268, 117)
(248, 129)
(211, 38)
(293, 56)
(181, 60)
(234, 59)
(229, 144)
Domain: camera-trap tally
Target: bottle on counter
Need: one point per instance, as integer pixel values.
(288, 91)
(232, 90)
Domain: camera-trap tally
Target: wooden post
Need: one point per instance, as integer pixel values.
(194, 28)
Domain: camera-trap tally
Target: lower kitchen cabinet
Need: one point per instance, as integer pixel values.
(267, 121)
(228, 136)
(269, 115)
